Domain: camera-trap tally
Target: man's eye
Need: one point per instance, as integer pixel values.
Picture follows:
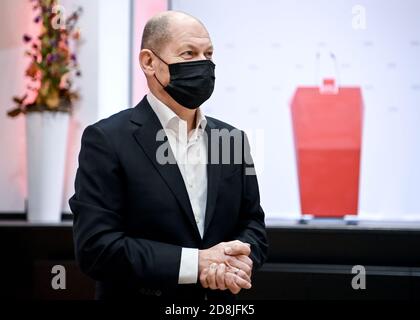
(209, 54)
(189, 53)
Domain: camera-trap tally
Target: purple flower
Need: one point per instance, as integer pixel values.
(27, 38)
(51, 58)
(73, 57)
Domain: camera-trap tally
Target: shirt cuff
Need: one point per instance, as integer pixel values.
(188, 270)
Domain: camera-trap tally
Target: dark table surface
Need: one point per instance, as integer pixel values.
(311, 260)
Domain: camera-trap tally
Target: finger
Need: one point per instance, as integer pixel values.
(235, 248)
(246, 260)
(203, 278)
(239, 273)
(220, 276)
(236, 263)
(231, 284)
(211, 276)
(242, 283)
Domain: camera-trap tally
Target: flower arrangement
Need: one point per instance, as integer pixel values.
(53, 61)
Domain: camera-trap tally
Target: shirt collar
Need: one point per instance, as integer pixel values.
(169, 119)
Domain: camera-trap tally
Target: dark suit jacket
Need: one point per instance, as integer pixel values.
(132, 215)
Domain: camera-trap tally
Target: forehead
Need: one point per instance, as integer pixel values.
(187, 33)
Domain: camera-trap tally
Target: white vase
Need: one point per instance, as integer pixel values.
(46, 140)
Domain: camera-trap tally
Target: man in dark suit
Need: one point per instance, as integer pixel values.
(166, 200)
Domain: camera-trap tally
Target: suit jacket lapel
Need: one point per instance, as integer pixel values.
(213, 174)
(145, 135)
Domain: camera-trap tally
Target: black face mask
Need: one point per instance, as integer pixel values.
(191, 83)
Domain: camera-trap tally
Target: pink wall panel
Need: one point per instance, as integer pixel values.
(143, 10)
(16, 18)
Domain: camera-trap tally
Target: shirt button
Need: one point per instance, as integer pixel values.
(197, 219)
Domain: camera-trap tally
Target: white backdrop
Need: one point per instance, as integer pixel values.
(264, 49)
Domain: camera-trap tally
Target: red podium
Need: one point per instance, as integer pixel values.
(327, 125)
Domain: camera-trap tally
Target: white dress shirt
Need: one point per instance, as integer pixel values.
(190, 153)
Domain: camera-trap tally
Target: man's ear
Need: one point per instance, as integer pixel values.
(146, 62)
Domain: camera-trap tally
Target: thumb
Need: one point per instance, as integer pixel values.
(228, 250)
(238, 249)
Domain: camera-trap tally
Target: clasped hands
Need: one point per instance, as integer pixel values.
(226, 266)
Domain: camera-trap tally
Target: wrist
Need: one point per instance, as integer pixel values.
(202, 260)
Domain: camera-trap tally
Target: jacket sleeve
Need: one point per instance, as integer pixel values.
(251, 226)
(103, 250)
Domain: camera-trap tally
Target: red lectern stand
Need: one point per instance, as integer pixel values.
(327, 124)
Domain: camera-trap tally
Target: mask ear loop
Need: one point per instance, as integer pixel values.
(158, 81)
(155, 73)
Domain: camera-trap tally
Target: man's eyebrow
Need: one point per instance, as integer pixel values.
(191, 46)
(187, 46)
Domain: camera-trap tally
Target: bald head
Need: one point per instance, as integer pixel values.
(171, 37)
(158, 30)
